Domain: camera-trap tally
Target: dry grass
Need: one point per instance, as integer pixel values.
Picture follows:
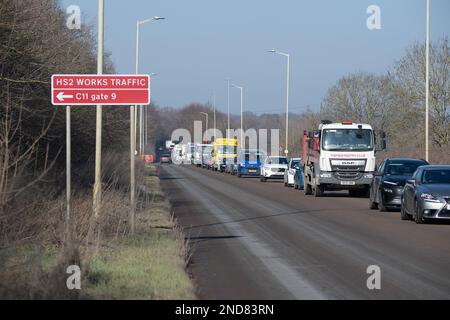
(150, 264)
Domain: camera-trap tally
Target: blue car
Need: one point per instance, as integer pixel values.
(298, 177)
(249, 163)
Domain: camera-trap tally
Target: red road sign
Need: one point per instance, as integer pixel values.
(92, 89)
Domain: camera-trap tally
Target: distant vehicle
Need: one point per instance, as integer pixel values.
(148, 158)
(427, 194)
(290, 173)
(249, 163)
(187, 152)
(339, 156)
(176, 154)
(273, 168)
(165, 158)
(298, 178)
(202, 151)
(170, 144)
(389, 180)
(224, 152)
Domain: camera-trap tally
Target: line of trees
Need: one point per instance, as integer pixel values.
(34, 44)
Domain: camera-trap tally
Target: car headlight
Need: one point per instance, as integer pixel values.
(429, 197)
(388, 190)
(390, 183)
(368, 176)
(325, 175)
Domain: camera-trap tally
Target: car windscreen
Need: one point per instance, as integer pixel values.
(436, 176)
(402, 168)
(277, 160)
(347, 140)
(252, 157)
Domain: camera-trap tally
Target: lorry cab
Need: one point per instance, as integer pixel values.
(339, 156)
(224, 153)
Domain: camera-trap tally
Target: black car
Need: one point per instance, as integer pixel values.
(389, 180)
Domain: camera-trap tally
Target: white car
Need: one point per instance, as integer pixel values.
(273, 168)
(290, 172)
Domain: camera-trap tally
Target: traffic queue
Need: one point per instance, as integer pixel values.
(336, 157)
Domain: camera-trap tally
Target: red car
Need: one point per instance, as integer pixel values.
(165, 158)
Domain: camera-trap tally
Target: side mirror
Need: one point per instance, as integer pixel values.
(411, 181)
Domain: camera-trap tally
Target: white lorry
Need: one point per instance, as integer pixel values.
(187, 151)
(339, 156)
(202, 154)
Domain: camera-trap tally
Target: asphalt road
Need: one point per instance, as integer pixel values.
(254, 240)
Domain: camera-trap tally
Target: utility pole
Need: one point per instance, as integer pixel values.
(427, 81)
(98, 128)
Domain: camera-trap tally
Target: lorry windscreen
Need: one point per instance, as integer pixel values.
(347, 140)
(227, 149)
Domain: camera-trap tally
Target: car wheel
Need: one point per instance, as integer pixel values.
(372, 203)
(403, 214)
(239, 175)
(263, 179)
(418, 218)
(381, 206)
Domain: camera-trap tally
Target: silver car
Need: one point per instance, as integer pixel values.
(427, 194)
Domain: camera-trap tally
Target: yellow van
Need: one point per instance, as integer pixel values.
(224, 152)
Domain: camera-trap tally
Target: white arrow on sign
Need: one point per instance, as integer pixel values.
(61, 96)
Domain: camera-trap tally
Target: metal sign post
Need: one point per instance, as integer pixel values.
(132, 166)
(68, 166)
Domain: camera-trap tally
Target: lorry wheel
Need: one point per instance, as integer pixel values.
(306, 186)
(318, 191)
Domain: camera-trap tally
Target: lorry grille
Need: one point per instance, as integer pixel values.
(348, 172)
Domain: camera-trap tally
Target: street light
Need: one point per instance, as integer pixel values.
(242, 133)
(288, 56)
(205, 114)
(138, 24)
(228, 103)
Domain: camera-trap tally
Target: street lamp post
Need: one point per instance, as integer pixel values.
(138, 24)
(205, 114)
(288, 56)
(242, 133)
(228, 103)
(214, 114)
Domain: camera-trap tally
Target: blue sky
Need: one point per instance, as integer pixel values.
(202, 42)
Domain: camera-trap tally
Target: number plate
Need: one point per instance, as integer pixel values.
(348, 183)
(251, 170)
